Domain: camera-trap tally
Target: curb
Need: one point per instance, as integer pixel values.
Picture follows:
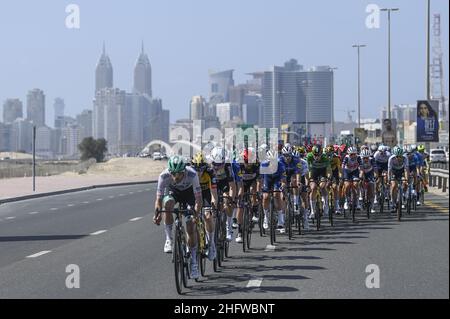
(73, 190)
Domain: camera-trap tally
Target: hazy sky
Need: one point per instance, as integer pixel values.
(184, 39)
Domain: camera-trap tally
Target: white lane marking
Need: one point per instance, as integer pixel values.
(112, 196)
(70, 205)
(99, 199)
(85, 202)
(131, 193)
(254, 282)
(33, 213)
(99, 232)
(39, 254)
(121, 194)
(11, 217)
(147, 189)
(135, 219)
(140, 191)
(54, 208)
(270, 248)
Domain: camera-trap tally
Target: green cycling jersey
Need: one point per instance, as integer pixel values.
(321, 163)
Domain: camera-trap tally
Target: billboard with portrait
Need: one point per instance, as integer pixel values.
(427, 121)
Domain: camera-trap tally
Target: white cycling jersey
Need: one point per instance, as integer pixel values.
(190, 179)
(397, 164)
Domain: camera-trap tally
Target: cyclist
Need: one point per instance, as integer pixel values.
(301, 192)
(414, 165)
(351, 167)
(273, 182)
(208, 185)
(397, 169)
(225, 183)
(319, 174)
(368, 169)
(336, 173)
(425, 166)
(179, 184)
(247, 177)
(381, 161)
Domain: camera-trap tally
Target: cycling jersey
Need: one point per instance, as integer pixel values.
(207, 180)
(351, 164)
(318, 168)
(273, 181)
(397, 165)
(302, 167)
(247, 173)
(223, 172)
(413, 162)
(335, 162)
(291, 167)
(190, 179)
(368, 166)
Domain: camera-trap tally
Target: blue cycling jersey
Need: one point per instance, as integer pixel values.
(281, 169)
(291, 167)
(414, 161)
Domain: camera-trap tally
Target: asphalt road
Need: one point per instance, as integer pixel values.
(109, 235)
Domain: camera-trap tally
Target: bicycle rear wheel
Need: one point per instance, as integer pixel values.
(250, 229)
(289, 219)
(244, 229)
(272, 225)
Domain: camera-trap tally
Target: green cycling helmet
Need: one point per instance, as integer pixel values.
(177, 164)
(398, 151)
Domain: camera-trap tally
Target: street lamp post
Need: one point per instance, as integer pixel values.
(389, 10)
(332, 104)
(428, 48)
(359, 46)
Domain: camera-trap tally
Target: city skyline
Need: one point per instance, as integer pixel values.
(180, 67)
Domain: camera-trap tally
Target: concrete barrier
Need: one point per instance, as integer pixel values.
(439, 178)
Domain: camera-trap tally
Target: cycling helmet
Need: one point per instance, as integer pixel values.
(199, 160)
(421, 148)
(329, 150)
(301, 150)
(381, 148)
(365, 153)
(414, 147)
(270, 155)
(287, 150)
(248, 155)
(218, 155)
(295, 153)
(364, 147)
(263, 147)
(398, 151)
(317, 149)
(352, 150)
(409, 149)
(177, 164)
(373, 148)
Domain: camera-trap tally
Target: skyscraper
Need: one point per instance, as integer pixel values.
(12, 109)
(291, 94)
(220, 83)
(143, 74)
(198, 108)
(84, 121)
(58, 107)
(36, 107)
(103, 72)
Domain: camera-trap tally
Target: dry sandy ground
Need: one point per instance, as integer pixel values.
(119, 170)
(13, 155)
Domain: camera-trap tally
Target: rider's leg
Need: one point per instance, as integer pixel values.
(168, 218)
(279, 204)
(324, 193)
(394, 192)
(313, 197)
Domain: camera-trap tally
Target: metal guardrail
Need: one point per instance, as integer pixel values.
(439, 178)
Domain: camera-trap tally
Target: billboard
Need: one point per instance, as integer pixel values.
(427, 121)
(389, 132)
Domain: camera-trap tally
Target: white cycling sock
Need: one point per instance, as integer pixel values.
(168, 231)
(229, 221)
(266, 214)
(296, 199)
(234, 212)
(313, 205)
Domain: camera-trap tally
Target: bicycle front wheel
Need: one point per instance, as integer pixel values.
(178, 263)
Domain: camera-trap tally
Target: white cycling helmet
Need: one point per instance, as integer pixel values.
(287, 150)
(218, 155)
(270, 155)
(352, 150)
(365, 153)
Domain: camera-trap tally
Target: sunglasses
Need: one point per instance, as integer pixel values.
(177, 174)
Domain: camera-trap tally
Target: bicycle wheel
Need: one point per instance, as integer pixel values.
(178, 263)
(261, 219)
(399, 206)
(244, 229)
(331, 209)
(272, 224)
(353, 205)
(408, 204)
(318, 213)
(250, 229)
(288, 221)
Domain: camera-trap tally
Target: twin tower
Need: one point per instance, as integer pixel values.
(142, 73)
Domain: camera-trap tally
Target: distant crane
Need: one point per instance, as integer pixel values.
(349, 114)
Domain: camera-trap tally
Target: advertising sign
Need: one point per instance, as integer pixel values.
(427, 121)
